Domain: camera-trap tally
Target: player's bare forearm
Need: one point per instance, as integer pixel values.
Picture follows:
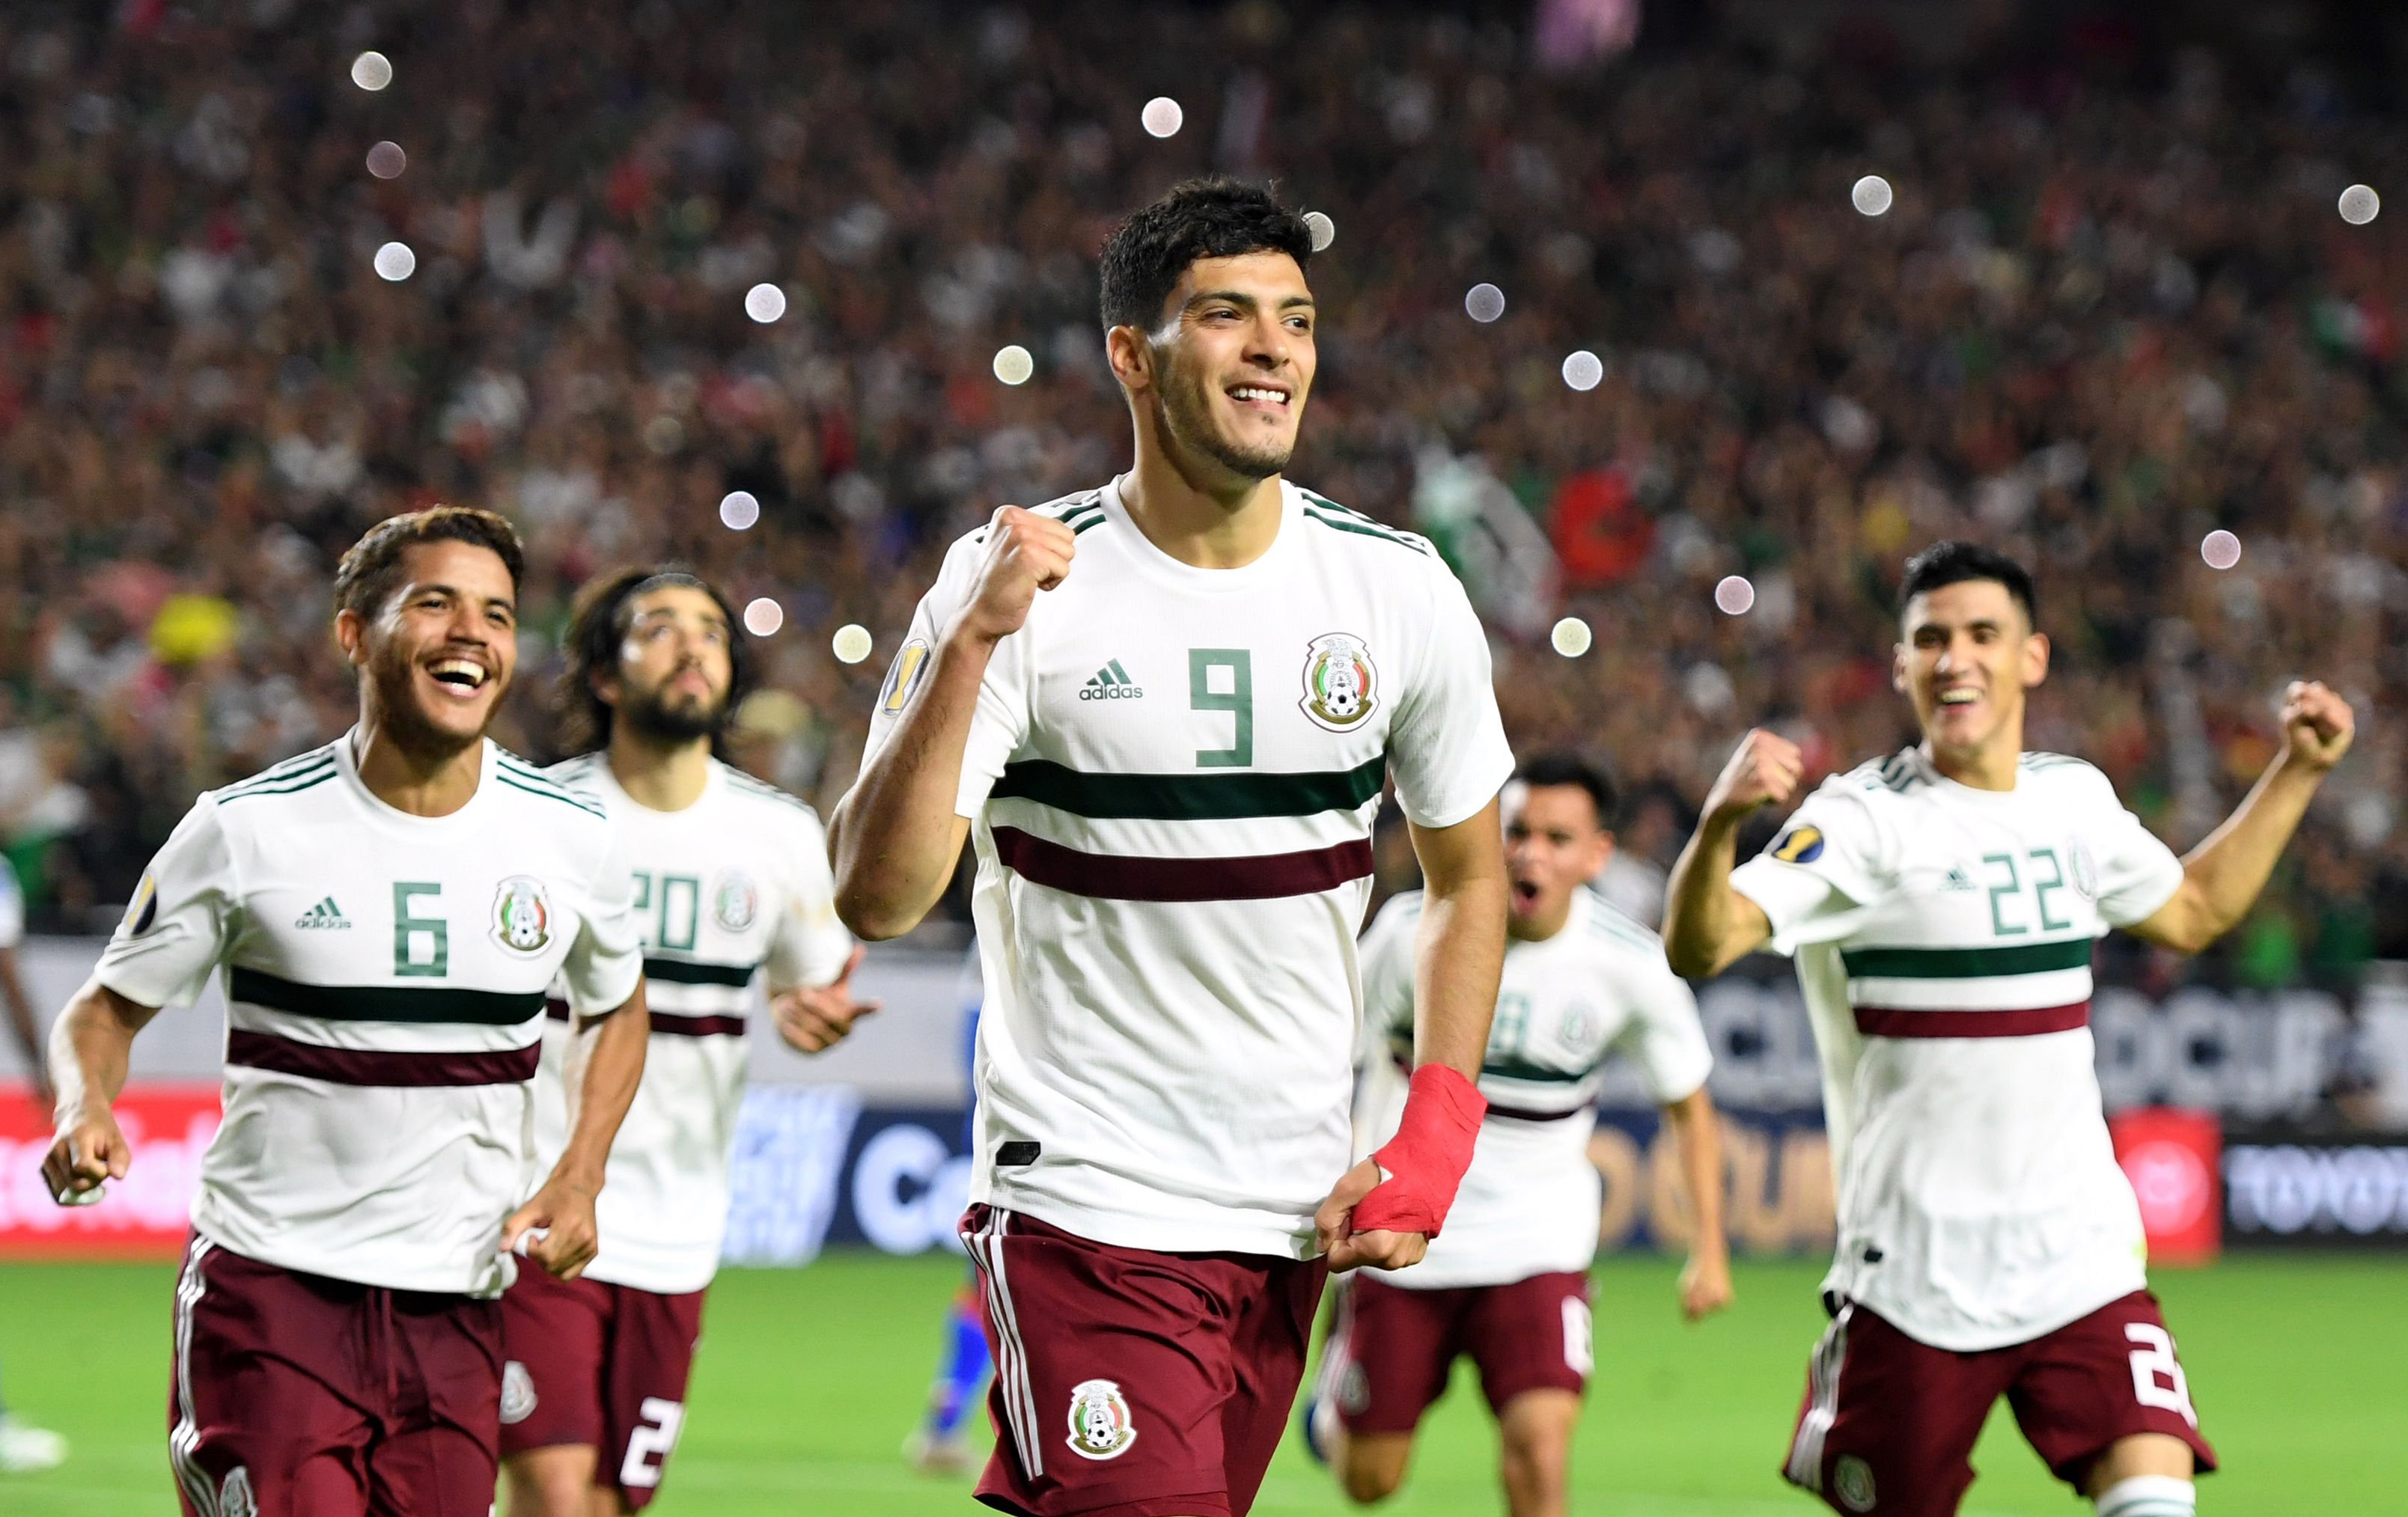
(1708, 925)
(1705, 1284)
(613, 1061)
(895, 837)
(91, 1045)
(1460, 951)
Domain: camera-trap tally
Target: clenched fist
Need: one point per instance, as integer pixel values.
(2317, 726)
(1763, 771)
(1026, 552)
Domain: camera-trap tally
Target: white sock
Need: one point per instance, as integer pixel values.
(2149, 1495)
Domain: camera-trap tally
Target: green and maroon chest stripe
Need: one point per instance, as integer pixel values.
(1996, 963)
(1185, 797)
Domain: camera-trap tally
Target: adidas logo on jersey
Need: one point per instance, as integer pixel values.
(1957, 879)
(1111, 683)
(326, 915)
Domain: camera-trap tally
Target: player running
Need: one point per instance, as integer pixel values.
(1169, 763)
(1507, 1285)
(731, 886)
(1942, 904)
(388, 910)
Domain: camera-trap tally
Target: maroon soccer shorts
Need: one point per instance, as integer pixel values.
(600, 1364)
(1888, 1422)
(1389, 1356)
(298, 1394)
(1130, 1383)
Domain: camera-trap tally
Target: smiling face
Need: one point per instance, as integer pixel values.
(1969, 655)
(674, 665)
(1227, 368)
(439, 652)
(1554, 844)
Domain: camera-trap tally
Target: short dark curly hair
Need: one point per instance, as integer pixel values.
(1212, 217)
(1954, 562)
(371, 570)
(597, 624)
(1562, 766)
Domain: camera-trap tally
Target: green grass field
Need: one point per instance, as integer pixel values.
(809, 1381)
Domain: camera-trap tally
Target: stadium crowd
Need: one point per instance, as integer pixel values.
(2080, 333)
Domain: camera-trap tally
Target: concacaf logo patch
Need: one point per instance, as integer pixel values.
(1852, 1481)
(518, 1393)
(521, 914)
(144, 908)
(735, 903)
(1341, 685)
(1101, 1424)
(911, 662)
(235, 1498)
(1800, 845)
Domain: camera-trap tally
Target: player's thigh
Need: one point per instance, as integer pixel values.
(1534, 1434)
(647, 1361)
(1888, 1424)
(1373, 1465)
(552, 1332)
(434, 1469)
(1531, 1335)
(443, 1446)
(2110, 1376)
(1389, 1355)
(556, 1480)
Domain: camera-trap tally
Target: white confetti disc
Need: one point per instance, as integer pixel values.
(1583, 370)
(1324, 230)
(2359, 205)
(1571, 637)
(764, 617)
(765, 303)
(851, 643)
(371, 71)
(386, 160)
(1484, 303)
(2221, 548)
(738, 509)
(1014, 364)
(1734, 594)
(1872, 195)
(395, 263)
(1161, 117)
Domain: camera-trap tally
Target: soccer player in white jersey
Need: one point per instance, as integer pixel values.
(387, 910)
(1507, 1285)
(732, 887)
(1941, 904)
(1169, 754)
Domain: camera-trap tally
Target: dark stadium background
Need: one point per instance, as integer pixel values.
(2112, 307)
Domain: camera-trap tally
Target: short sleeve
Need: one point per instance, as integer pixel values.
(809, 945)
(2137, 873)
(1447, 745)
(1664, 1037)
(1821, 867)
(1387, 959)
(12, 907)
(182, 918)
(607, 961)
(1000, 724)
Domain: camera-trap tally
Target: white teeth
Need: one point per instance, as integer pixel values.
(1959, 698)
(473, 673)
(1254, 393)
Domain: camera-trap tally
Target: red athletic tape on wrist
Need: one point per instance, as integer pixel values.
(1427, 1158)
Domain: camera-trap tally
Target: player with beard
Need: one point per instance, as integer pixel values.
(387, 910)
(1170, 757)
(731, 887)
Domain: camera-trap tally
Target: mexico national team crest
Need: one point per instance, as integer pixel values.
(1101, 1424)
(518, 1393)
(1852, 1481)
(735, 903)
(1341, 686)
(521, 914)
(235, 1498)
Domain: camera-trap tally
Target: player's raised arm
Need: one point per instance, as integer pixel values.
(2223, 875)
(895, 835)
(1708, 925)
(90, 1047)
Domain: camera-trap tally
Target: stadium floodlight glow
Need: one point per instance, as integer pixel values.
(2221, 548)
(851, 643)
(1324, 230)
(763, 616)
(395, 263)
(765, 303)
(1484, 303)
(1571, 637)
(371, 71)
(1014, 364)
(738, 509)
(1872, 195)
(1734, 595)
(1161, 117)
(2360, 205)
(1583, 370)
(386, 160)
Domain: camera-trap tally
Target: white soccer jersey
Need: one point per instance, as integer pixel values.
(384, 985)
(735, 884)
(1172, 774)
(1942, 936)
(12, 907)
(1567, 1005)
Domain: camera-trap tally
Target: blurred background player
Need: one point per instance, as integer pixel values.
(389, 910)
(936, 1445)
(1170, 760)
(24, 1449)
(1508, 1284)
(731, 886)
(1942, 904)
